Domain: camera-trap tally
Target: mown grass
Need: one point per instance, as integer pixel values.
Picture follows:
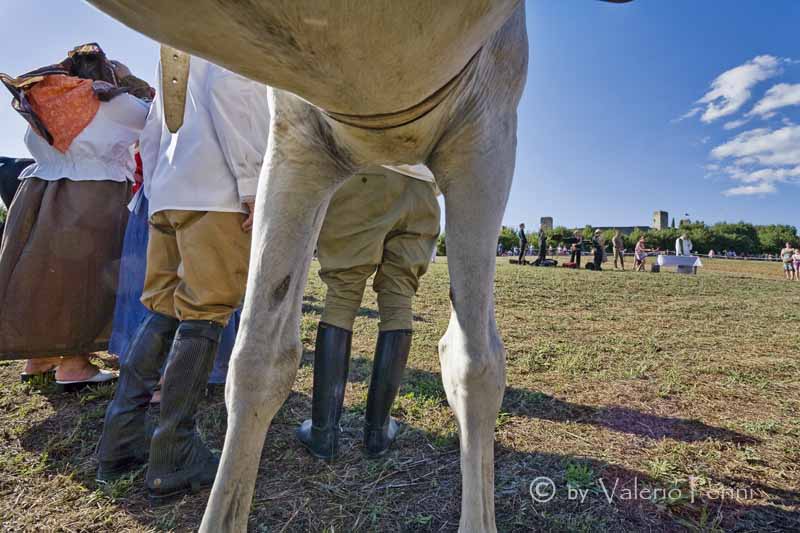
(686, 386)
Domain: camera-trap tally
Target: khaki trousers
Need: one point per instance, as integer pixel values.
(383, 223)
(196, 264)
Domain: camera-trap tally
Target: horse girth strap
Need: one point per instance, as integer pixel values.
(174, 82)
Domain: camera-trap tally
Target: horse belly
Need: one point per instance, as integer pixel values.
(358, 58)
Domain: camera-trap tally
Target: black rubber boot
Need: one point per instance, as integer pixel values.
(125, 443)
(391, 355)
(331, 361)
(180, 461)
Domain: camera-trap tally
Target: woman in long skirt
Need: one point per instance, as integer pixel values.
(60, 251)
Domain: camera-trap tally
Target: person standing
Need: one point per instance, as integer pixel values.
(796, 263)
(63, 237)
(201, 183)
(542, 247)
(597, 245)
(523, 243)
(382, 221)
(640, 255)
(619, 249)
(787, 257)
(683, 245)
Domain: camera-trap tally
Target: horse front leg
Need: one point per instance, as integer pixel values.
(476, 186)
(302, 176)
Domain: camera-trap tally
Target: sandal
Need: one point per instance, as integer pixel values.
(102, 377)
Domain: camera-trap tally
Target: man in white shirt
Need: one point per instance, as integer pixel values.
(382, 221)
(201, 183)
(683, 245)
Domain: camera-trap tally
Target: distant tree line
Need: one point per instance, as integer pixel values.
(742, 237)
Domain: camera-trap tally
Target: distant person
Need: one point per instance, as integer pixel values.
(619, 249)
(787, 256)
(523, 243)
(542, 247)
(598, 245)
(683, 245)
(575, 256)
(711, 254)
(640, 255)
(796, 264)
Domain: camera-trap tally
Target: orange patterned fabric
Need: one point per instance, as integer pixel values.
(65, 105)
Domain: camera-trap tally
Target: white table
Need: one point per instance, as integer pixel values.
(686, 264)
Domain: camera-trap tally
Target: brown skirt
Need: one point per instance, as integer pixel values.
(59, 262)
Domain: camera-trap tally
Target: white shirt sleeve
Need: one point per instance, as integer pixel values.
(150, 139)
(240, 112)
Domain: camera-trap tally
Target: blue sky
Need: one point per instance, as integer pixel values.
(601, 139)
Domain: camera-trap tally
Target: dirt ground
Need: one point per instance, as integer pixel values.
(654, 402)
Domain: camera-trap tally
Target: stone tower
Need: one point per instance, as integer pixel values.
(660, 220)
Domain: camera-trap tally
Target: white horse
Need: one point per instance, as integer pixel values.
(361, 83)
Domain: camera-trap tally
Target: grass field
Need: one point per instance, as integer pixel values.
(686, 386)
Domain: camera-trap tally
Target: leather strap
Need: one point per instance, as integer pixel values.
(174, 82)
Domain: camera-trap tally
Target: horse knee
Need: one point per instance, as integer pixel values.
(260, 375)
(473, 358)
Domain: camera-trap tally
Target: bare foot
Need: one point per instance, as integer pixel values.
(76, 368)
(41, 365)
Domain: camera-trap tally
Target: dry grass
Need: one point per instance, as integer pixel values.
(663, 380)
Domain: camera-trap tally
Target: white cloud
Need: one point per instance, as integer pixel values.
(733, 124)
(731, 89)
(692, 112)
(778, 96)
(766, 147)
(760, 158)
(749, 190)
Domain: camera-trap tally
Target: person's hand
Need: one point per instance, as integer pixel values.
(250, 205)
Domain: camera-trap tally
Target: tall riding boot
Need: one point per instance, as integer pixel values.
(391, 354)
(180, 461)
(125, 443)
(331, 360)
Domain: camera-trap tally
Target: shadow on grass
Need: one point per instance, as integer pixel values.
(416, 486)
(534, 404)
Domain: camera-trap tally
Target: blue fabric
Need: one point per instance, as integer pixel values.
(129, 311)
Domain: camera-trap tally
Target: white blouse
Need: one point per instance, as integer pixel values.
(101, 152)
